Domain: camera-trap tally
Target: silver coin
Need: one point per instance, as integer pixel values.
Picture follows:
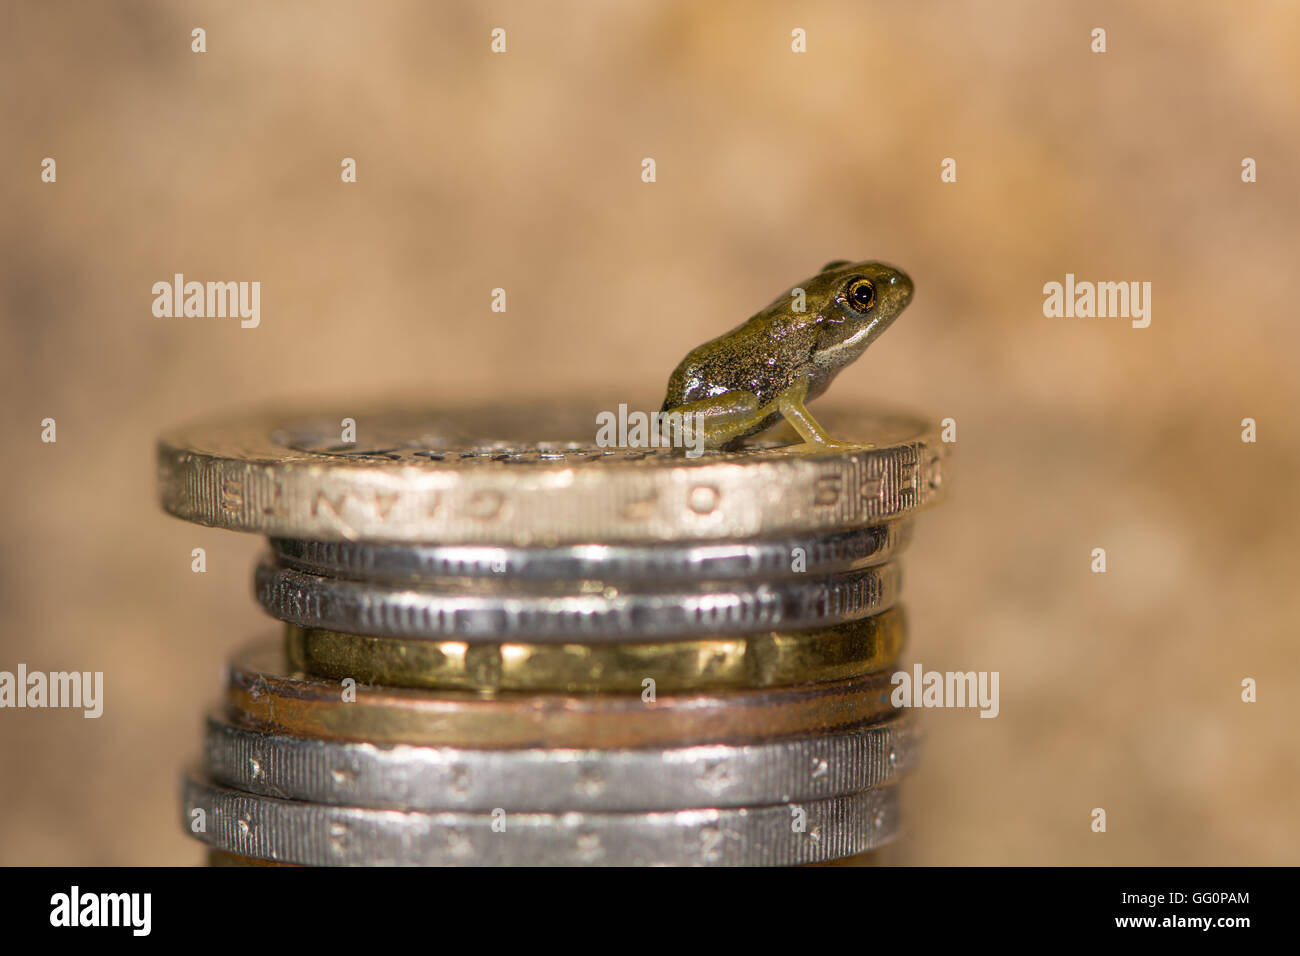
(507, 612)
(445, 778)
(289, 831)
(716, 560)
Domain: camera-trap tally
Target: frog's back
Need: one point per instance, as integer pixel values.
(752, 357)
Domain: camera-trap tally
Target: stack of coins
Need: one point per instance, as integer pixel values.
(504, 644)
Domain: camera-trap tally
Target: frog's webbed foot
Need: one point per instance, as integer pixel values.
(721, 419)
(790, 404)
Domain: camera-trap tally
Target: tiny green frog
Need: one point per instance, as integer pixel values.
(780, 359)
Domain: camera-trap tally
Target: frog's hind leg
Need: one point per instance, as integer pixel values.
(790, 404)
(722, 419)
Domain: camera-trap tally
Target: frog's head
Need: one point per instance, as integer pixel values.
(854, 302)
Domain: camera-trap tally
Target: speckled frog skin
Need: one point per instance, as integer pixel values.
(741, 383)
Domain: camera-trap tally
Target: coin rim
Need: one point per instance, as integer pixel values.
(769, 659)
(263, 827)
(557, 780)
(263, 692)
(766, 558)
(508, 614)
(228, 474)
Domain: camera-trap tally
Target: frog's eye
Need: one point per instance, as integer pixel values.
(860, 294)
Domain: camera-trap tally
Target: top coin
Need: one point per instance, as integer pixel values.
(535, 475)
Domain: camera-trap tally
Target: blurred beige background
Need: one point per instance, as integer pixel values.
(523, 171)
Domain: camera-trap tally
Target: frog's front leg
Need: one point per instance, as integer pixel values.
(790, 402)
(722, 418)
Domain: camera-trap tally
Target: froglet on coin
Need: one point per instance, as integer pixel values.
(780, 359)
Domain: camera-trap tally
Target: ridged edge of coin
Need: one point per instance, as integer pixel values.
(767, 558)
(736, 607)
(312, 834)
(398, 777)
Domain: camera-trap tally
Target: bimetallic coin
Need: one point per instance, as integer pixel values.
(769, 659)
(498, 611)
(482, 476)
(264, 693)
(290, 831)
(560, 779)
(814, 555)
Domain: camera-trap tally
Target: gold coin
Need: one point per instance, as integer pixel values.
(771, 659)
(265, 692)
(535, 475)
